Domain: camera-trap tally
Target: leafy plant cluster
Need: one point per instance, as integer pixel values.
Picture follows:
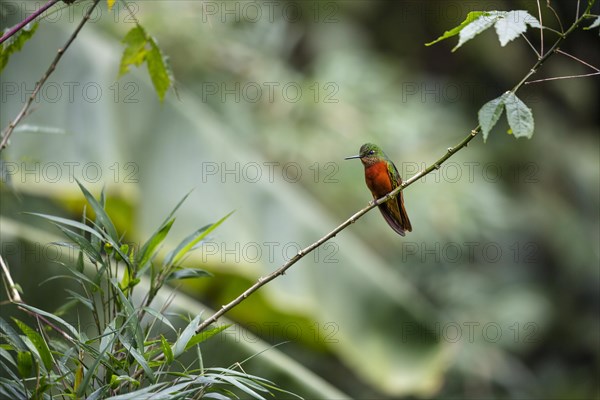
(55, 358)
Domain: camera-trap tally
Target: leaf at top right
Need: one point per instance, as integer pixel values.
(514, 23)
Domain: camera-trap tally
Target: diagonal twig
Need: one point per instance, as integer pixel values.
(11, 127)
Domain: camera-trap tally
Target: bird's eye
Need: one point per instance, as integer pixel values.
(372, 152)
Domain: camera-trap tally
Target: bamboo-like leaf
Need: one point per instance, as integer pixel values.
(24, 363)
(148, 249)
(55, 318)
(43, 351)
(70, 222)
(188, 273)
(83, 244)
(160, 317)
(186, 245)
(11, 336)
(139, 357)
(101, 216)
(166, 348)
(180, 344)
(205, 335)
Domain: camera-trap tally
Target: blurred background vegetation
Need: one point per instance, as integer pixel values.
(494, 295)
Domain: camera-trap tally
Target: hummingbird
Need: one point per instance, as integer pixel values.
(382, 177)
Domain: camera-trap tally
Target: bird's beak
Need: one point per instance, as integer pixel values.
(351, 157)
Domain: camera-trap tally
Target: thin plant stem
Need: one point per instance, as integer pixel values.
(11, 127)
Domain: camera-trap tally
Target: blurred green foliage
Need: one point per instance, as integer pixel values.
(495, 293)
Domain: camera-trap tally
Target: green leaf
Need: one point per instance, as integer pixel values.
(188, 273)
(519, 116)
(51, 316)
(15, 42)
(11, 336)
(509, 25)
(514, 23)
(490, 113)
(180, 344)
(69, 222)
(101, 216)
(479, 25)
(455, 31)
(39, 343)
(189, 242)
(24, 363)
(205, 335)
(158, 68)
(135, 50)
(140, 48)
(166, 348)
(160, 317)
(148, 249)
(132, 322)
(236, 382)
(83, 244)
(139, 357)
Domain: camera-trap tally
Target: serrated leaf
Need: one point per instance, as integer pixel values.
(158, 70)
(188, 273)
(205, 335)
(135, 50)
(594, 24)
(15, 42)
(513, 24)
(180, 344)
(140, 48)
(189, 242)
(485, 21)
(519, 116)
(490, 113)
(43, 351)
(456, 30)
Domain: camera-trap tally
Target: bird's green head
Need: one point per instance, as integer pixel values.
(369, 154)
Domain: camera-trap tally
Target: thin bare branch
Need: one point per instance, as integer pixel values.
(541, 53)
(562, 29)
(9, 130)
(555, 78)
(578, 60)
